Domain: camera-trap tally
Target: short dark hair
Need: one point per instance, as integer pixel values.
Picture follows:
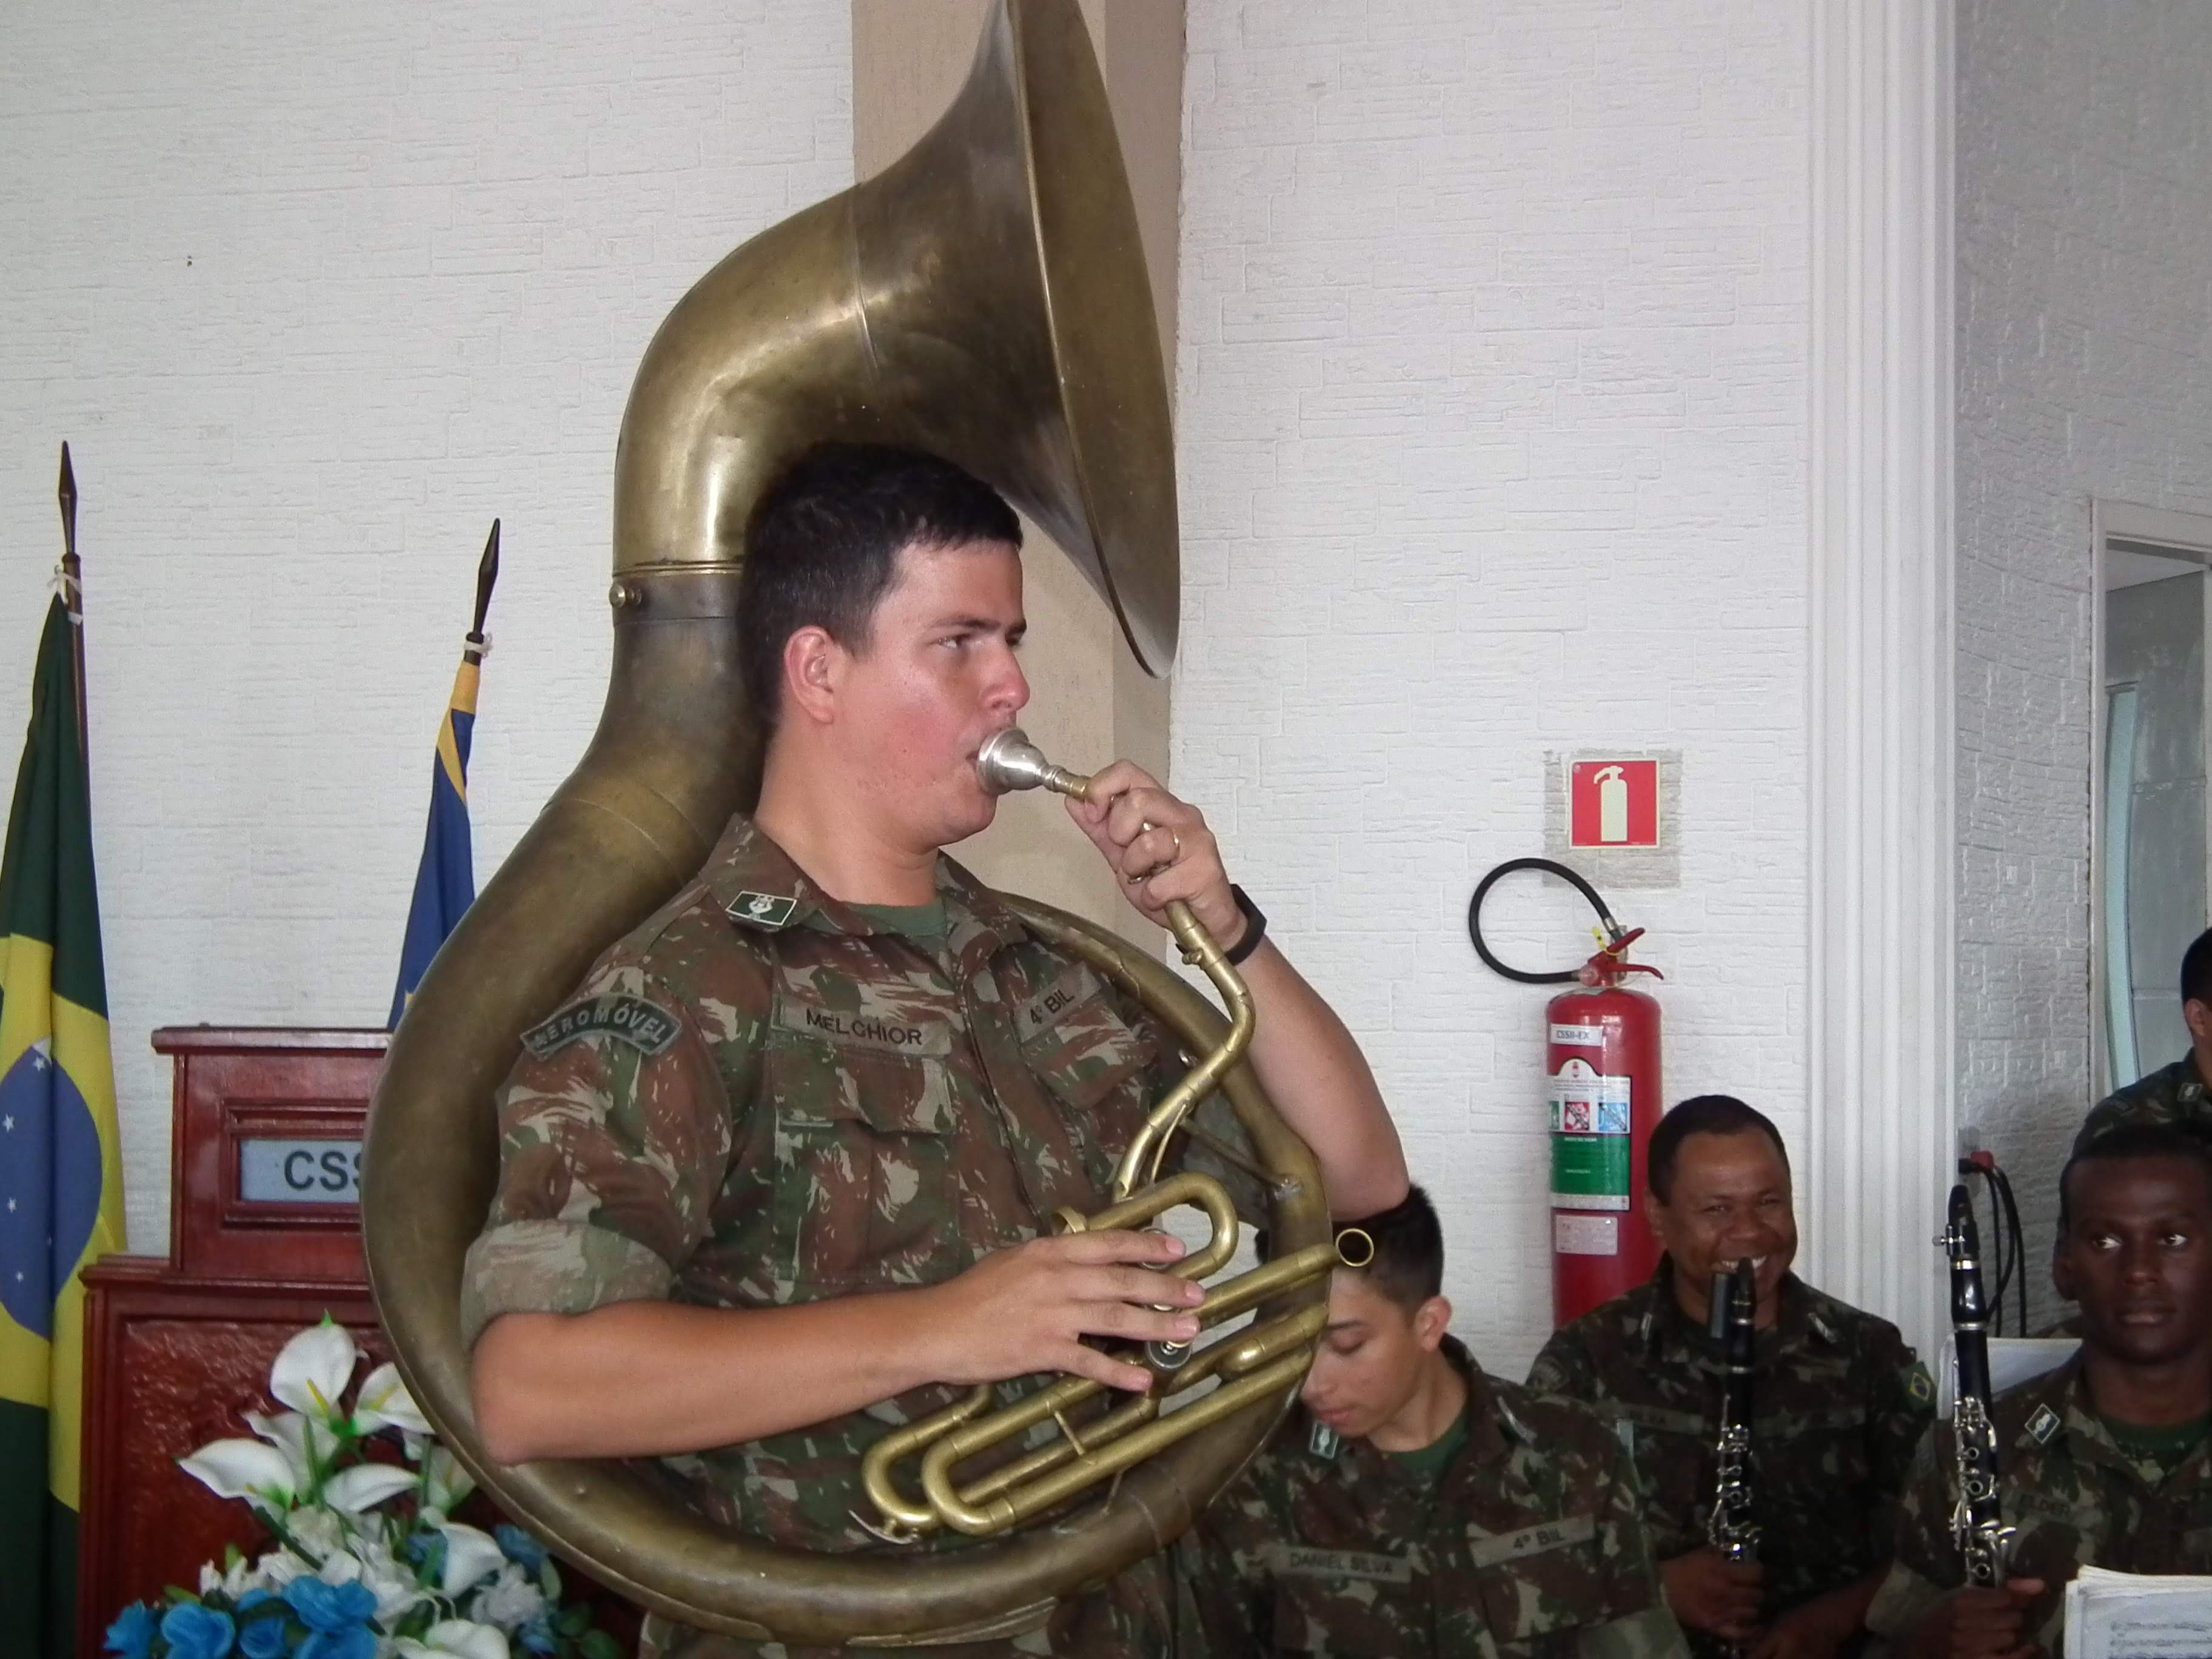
(2128, 1142)
(823, 547)
(1702, 1115)
(2197, 968)
(1408, 1263)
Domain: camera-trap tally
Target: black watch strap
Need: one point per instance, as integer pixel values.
(1255, 927)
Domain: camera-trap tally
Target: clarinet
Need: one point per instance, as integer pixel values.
(1977, 1526)
(1735, 1309)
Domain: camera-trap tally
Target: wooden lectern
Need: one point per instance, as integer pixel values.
(264, 1238)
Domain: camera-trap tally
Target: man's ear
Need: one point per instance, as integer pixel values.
(1652, 1209)
(813, 669)
(2198, 1018)
(1431, 1321)
(2061, 1270)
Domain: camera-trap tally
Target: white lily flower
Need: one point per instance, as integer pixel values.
(317, 1530)
(455, 1636)
(243, 1468)
(470, 1555)
(371, 1565)
(312, 1369)
(303, 1442)
(365, 1485)
(445, 1482)
(384, 1403)
(510, 1600)
(278, 1568)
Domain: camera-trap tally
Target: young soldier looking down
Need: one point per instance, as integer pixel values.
(1419, 1507)
(1839, 1400)
(793, 1152)
(2104, 1461)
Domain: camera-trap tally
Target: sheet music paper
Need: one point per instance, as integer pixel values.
(2126, 1615)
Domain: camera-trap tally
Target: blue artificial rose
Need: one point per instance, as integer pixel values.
(537, 1636)
(264, 1638)
(330, 1609)
(193, 1631)
(252, 1599)
(358, 1643)
(133, 1633)
(521, 1548)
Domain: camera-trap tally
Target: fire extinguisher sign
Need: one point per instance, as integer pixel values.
(1591, 1119)
(1613, 804)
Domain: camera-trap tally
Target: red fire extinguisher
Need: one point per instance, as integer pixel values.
(1603, 1086)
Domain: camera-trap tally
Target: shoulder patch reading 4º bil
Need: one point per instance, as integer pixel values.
(646, 1026)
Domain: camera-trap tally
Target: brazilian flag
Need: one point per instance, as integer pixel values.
(61, 1173)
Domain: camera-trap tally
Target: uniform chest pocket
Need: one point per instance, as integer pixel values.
(1089, 1060)
(867, 1193)
(1540, 1579)
(1812, 1468)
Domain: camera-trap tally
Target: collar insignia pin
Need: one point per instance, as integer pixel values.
(765, 909)
(1324, 1443)
(2043, 1425)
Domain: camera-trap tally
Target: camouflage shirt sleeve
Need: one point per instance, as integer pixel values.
(1898, 1416)
(1926, 1566)
(615, 1135)
(1640, 1626)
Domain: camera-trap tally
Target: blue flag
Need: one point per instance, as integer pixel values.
(446, 884)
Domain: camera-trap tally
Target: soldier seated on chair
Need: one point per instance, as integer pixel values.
(2107, 1461)
(1416, 1506)
(1839, 1400)
(2177, 1093)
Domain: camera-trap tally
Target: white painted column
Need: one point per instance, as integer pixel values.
(1882, 737)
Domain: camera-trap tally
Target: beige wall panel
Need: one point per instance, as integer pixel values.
(1089, 701)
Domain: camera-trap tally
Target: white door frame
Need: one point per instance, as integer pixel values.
(2136, 527)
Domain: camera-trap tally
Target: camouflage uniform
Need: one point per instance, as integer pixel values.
(1839, 1402)
(2076, 1499)
(2172, 1094)
(1529, 1544)
(762, 1097)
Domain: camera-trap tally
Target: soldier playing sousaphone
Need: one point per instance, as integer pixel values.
(793, 1147)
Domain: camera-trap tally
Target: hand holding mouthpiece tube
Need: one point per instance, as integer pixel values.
(1266, 1357)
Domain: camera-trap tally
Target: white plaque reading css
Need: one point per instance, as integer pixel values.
(299, 1171)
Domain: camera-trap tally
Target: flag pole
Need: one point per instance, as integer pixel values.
(73, 590)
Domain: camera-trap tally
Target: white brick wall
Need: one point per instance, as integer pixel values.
(315, 293)
(1493, 384)
(2085, 361)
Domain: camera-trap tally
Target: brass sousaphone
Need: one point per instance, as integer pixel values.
(984, 297)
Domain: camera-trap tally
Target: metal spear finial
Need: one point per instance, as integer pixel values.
(487, 574)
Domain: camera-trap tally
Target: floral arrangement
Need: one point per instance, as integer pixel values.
(368, 1563)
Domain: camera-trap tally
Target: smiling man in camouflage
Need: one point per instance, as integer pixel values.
(791, 1153)
(1839, 1401)
(1419, 1507)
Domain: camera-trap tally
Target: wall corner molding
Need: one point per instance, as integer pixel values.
(1880, 1023)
